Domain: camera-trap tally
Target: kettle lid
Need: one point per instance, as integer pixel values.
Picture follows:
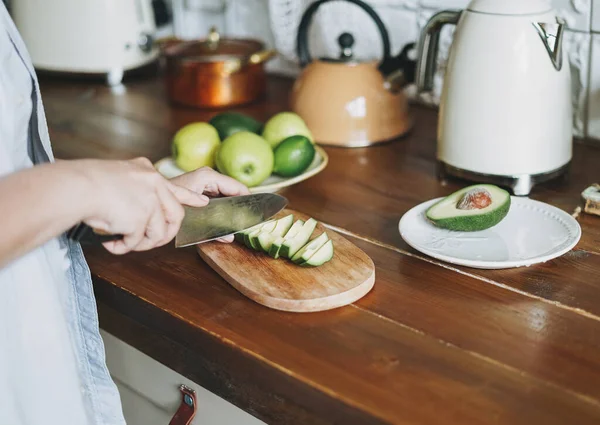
(510, 7)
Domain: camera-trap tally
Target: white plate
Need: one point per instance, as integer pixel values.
(532, 232)
(273, 183)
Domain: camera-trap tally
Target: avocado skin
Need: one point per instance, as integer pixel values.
(228, 123)
(472, 223)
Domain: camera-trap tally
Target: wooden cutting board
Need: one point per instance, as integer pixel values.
(283, 285)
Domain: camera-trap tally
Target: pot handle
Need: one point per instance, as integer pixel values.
(302, 38)
(232, 66)
(428, 47)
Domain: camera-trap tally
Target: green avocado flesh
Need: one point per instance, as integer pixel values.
(446, 214)
(292, 245)
(266, 238)
(276, 246)
(289, 239)
(323, 255)
(309, 249)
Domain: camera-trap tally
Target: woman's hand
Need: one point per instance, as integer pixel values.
(209, 182)
(133, 199)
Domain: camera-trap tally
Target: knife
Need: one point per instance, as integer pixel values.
(221, 217)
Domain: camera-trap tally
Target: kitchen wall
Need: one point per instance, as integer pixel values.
(276, 21)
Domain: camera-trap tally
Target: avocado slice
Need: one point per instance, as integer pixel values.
(268, 227)
(310, 248)
(266, 239)
(323, 255)
(240, 236)
(276, 246)
(251, 230)
(228, 123)
(291, 245)
(470, 209)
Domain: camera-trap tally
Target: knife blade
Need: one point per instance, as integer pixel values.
(226, 216)
(221, 217)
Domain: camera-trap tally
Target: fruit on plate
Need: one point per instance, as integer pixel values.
(293, 156)
(281, 238)
(194, 146)
(228, 123)
(246, 157)
(472, 208)
(283, 125)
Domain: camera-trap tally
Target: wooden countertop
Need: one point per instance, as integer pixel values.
(430, 344)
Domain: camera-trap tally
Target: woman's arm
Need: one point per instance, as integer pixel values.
(38, 204)
(126, 197)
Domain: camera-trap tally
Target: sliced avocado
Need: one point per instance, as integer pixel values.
(278, 242)
(323, 255)
(228, 123)
(292, 245)
(470, 209)
(310, 248)
(268, 227)
(240, 236)
(252, 230)
(266, 239)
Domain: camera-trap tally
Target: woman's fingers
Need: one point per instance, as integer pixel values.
(174, 213)
(155, 232)
(226, 239)
(186, 196)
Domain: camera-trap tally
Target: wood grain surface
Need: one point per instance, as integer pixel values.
(430, 343)
(283, 285)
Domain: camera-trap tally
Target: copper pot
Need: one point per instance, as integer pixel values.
(215, 72)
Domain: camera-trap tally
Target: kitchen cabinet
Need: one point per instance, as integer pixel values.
(150, 390)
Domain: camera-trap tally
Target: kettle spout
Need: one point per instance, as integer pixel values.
(552, 37)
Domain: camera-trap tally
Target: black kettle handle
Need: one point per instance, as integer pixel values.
(302, 38)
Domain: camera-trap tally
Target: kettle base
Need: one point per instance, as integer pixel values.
(520, 184)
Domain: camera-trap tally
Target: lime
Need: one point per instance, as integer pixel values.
(293, 156)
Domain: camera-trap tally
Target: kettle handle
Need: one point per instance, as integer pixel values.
(302, 38)
(429, 46)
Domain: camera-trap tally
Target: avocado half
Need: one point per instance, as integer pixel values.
(453, 213)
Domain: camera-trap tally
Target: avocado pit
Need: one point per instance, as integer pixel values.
(477, 198)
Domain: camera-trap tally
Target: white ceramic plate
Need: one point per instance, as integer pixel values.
(532, 232)
(273, 183)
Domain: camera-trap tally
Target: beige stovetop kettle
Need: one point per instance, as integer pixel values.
(350, 103)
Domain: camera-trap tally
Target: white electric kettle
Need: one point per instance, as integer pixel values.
(505, 111)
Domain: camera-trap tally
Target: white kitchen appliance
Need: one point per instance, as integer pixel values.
(87, 36)
(505, 110)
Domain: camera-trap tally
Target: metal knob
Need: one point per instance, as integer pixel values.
(346, 41)
(145, 42)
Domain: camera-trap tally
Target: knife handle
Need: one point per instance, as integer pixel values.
(85, 235)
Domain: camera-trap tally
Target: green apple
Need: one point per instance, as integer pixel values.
(246, 157)
(283, 125)
(194, 146)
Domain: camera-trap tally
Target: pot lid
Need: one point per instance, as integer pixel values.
(510, 7)
(214, 48)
